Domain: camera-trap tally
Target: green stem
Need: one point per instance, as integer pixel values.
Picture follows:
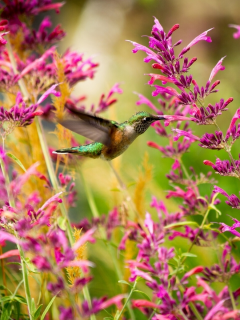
(23, 264)
(232, 298)
(200, 228)
(184, 169)
(96, 214)
(127, 300)
(195, 311)
(52, 176)
(25, 280)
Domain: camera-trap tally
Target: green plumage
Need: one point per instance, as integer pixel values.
(92, 150)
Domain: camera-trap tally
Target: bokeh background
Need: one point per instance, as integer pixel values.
(100, 28)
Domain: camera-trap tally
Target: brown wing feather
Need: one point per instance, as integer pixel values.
(89, 126)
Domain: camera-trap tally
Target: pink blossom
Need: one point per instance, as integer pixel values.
(36, 63)
(48, 92)
(202, 36)
(217, 68)
(195, 270)
(17, 185)
(186, 134)
(144, 303)
(144, 100)
(10, 253)
(236, 35)
(83, 264)
(231, 229)
(51, 6)
(115, 300)
(155, 77)
(149, 223)
(83, 239)
(4, 236)
(151, 55)
(171, 118)
(176, 165)
(208, 163)
(52, 199)
(233, 121)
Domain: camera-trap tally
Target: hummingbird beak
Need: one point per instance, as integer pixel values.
(159, 117)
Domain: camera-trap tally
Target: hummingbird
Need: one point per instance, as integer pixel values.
(110, 138)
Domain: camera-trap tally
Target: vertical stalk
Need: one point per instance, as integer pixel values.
(52, 176)
(126, 302)
(232, 297)
(3, 272)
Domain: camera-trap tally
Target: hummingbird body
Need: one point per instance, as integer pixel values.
(112, 138)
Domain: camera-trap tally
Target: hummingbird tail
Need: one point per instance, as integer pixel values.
(65, 151)
(92, 150)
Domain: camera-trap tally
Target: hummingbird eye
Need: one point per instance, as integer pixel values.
(146, 119)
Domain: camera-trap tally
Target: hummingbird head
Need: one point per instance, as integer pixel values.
(142, 120)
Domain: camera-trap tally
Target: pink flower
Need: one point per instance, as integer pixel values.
(83, 264)
(115, 300)
(231, 229)
(144, 100)
(233, 121)
(4, 236)
(171, 118)
(144, 303)
(41, 263)
(217, 68)
(186, 134)
(83, 239)
(155, 77)
(236, 35)
(202, 36)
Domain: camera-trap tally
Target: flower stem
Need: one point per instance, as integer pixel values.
(199, 230)
(52, 176)
(195, 311)
(232, 298)
(23, 264)
(126, 302)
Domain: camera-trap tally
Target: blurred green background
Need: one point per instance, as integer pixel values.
(99, 28)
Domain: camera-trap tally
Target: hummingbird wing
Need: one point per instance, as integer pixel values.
(89, 126)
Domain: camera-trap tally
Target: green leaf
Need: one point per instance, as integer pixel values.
(5, 299)
(20, 299)
(143, 293)
(117, 315)
(7, 310)
(61, 221)
(47, 307)
(131, 184)
(125, 282)
(10, 155)
(108, 318)
(182, 224)
(33, 306)
(213, 207)
(115, 189)
(17, 263)
(188, 254)
(37, 312)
